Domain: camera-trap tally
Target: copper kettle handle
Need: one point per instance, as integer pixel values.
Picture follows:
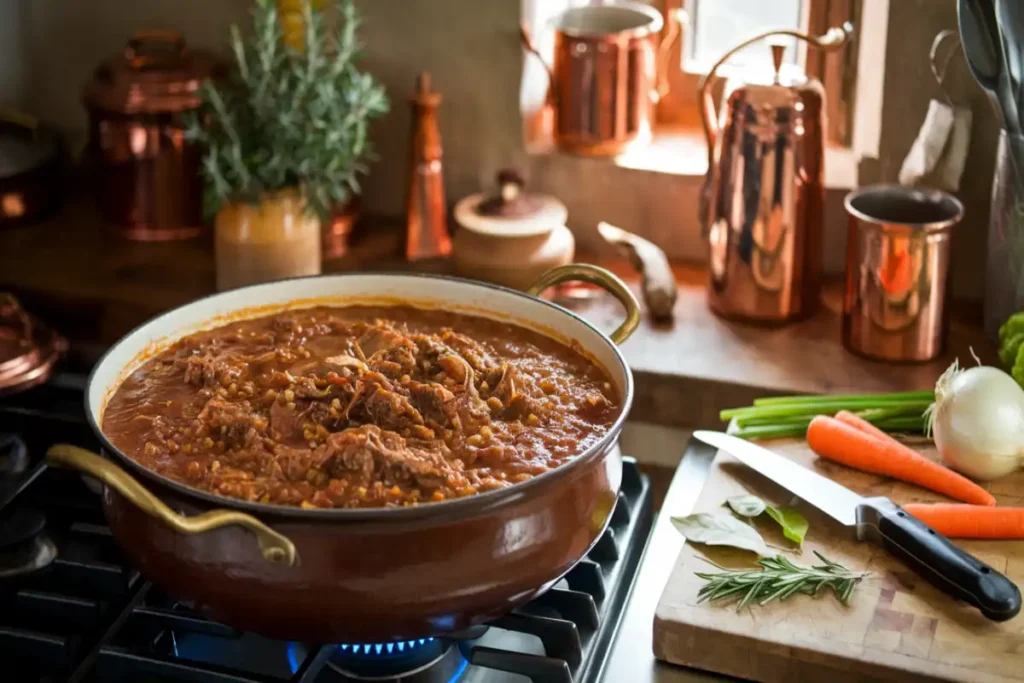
(833, 38)
(526, 38)
(675, 20)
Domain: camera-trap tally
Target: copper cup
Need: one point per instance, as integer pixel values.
(897, 271)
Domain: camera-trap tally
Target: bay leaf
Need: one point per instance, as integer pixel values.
(794, 524)
(746, 506)
(711, 529)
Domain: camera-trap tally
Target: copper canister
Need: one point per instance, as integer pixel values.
(897, 271)
(147, 177)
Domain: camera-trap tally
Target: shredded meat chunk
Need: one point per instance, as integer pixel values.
(202, 370)
(232, 422)
(373, 454)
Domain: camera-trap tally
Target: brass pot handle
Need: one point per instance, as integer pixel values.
(604, 279)
(275, 547)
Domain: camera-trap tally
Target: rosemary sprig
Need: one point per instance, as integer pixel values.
(778, 579)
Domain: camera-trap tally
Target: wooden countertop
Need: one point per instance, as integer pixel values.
(95, 286)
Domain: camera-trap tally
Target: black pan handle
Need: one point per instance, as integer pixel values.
(931, 555)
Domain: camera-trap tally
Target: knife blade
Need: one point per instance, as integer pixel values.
(882, 522)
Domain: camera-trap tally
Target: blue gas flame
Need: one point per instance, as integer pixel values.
(393, 649)
(384, 649)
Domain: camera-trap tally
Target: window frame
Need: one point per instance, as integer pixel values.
(837, 70)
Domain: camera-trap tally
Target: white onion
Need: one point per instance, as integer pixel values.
(978, 421)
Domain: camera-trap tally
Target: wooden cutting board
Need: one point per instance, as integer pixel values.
(897, 628)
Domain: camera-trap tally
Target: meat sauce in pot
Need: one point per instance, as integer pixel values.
(360, 407)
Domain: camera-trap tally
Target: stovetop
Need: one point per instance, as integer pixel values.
(88, 616)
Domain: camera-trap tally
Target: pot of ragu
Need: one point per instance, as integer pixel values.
(362, 456)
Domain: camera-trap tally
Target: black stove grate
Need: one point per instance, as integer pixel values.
(90, 617)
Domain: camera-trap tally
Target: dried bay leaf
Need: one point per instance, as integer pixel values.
(711, 529)
(746, 506)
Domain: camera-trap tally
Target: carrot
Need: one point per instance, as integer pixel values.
(838, 441)
(863, 425)
(957, 520)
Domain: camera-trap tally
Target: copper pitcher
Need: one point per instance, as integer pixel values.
(607, 75)
(763, 199)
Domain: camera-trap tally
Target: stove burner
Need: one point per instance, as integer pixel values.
(13, 456)
(23, 546)
(426, 660)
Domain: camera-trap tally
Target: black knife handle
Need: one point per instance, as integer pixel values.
(931, 555)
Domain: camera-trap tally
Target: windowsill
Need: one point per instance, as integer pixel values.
(683, 152)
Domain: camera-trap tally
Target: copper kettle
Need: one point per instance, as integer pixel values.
(762, 204)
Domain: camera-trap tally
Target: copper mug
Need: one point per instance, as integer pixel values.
(897, 271)
(607, 75)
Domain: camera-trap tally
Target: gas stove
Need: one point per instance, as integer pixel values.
(73, 609)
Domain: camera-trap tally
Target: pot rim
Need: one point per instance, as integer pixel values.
(651, 27)
(478, 503)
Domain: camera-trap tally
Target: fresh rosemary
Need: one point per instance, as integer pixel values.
(289, 118)
(778, 579)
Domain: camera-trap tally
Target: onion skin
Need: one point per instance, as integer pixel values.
(979, 422)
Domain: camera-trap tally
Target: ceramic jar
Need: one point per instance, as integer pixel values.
(272, 240)
(513, 237)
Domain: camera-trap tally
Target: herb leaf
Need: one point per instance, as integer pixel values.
(711, 529)
(794, 525)
(746, 506)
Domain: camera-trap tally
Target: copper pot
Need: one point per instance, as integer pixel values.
(607, 75)
(147, 179)
(348, 575)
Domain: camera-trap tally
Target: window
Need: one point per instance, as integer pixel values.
(710, 28)
(714, 26)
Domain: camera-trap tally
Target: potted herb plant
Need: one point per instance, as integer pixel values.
(285, 138)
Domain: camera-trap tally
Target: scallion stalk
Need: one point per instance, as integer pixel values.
(824, 406)
(876, 398)
(789, 415)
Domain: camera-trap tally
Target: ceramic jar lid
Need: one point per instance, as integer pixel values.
(511, 212)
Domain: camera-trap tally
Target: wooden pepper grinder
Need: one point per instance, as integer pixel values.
(426, 212)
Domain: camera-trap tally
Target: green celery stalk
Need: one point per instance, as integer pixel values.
(777, 431)
(876, 398)
(823, 406)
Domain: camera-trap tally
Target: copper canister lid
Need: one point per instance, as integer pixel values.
(156, 73)
(29, 350)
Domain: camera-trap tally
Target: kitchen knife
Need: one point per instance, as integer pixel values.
(659, 284)
(884, 523)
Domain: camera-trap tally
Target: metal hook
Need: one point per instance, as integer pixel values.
(939, 71)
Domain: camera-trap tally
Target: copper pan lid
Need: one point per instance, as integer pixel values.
(29, 350)
(155, 73)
